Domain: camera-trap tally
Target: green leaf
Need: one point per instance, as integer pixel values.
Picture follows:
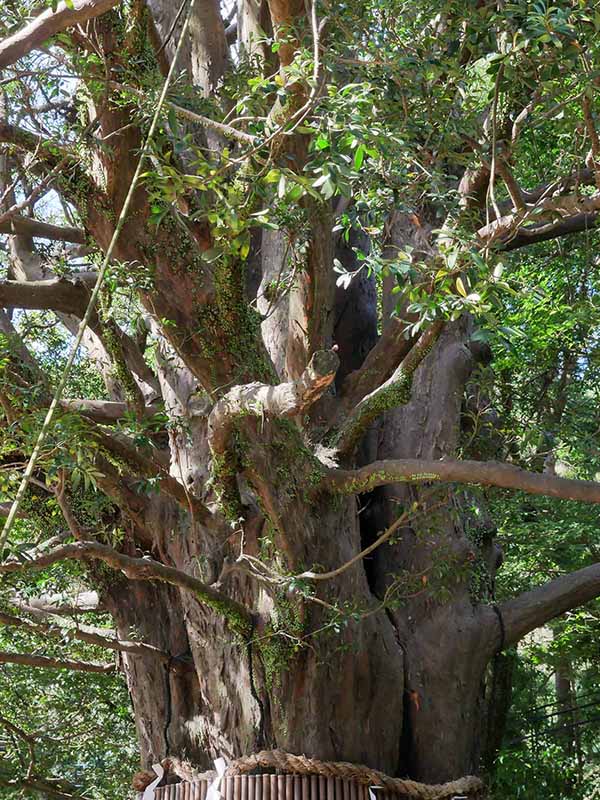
(212, 254)
(321, 180)
(172, 117)
(359, 156)
(272, 176)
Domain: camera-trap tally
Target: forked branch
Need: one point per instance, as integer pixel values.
(285, 400)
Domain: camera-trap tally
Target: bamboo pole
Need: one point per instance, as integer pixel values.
(314, 787)
(273, 782)
(305, 788)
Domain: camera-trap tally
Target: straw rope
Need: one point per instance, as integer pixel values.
(281, 761)
(301, 765)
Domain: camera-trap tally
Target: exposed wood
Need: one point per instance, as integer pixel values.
(285, 400)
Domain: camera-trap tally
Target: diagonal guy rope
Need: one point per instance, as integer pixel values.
(94, 295)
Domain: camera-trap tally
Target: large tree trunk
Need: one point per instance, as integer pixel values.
(397, 689)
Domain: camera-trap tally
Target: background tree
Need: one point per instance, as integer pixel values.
(263, 465)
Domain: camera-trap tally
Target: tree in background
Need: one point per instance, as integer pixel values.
(357, 278)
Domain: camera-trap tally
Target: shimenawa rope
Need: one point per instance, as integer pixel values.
(470, 785)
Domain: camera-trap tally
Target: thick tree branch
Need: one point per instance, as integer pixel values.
(394, 392)
(551, 214)
(59, 605)
(57, 294)
(88, 635)
(27, 226)
(532, 609)
(284, 16)
(483, 473)
(285, 400)
(312, 296)
(49, 23)
(402, 231)
(103, 411)
(579, 223)
(45, 662)
(119, 489)
(71, 297)
(238, 616)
